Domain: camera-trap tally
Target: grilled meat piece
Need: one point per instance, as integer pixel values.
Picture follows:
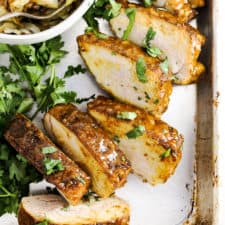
(197, 3)
(30, 142)
(180, 8)
(180, 42)
(88, 145)
(35, 209)
(154, 149)
(113, 63)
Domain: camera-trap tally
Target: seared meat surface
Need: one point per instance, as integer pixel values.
(181, 8)
(154, 150)
(113, 63)
(197, 3)
(88, 145)
(110, 211)
(180, 42)
(30, 142)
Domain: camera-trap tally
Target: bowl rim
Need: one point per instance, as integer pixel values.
(51, 32)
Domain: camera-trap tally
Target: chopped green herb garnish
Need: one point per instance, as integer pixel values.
(48, 150)
(141, 70)
(53, 165)
(115, 8)
(81, 179)
(174, 78)
(151, 50)
(131, 14)
(147, 95)
(105, 9)
(90, 197)
(147, 3)
(156, 101)
(71, 70)
(165, 66)
(166, 154)
(45, 222)
(97, 34)
(126, 115)
(136, 132)
(116, 139)
(65, 208)
(139, 98)
(149, 36)
(135, 88)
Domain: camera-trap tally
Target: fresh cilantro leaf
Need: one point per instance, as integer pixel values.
(141, 70)
(165, 66)
(136, 132)
(131, 14)
(71, 70)
(53, 165)
(48, 149)
(25, 105)
(126, 115)
(166, 154)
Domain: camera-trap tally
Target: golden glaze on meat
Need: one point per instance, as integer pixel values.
(145, 152)
(180, 8)
(113, 63)
(87, 144)
(197, 3)
(110, 211)
(180, 42)
(28, 140)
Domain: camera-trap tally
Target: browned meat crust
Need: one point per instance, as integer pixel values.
(28, 140)
(98, 149)
(158, 138)
(34, 209)
(158, 86)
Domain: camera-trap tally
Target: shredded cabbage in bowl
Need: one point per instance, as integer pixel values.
(21, 25)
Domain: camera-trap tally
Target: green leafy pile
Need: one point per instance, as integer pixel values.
(15, 176)
(28, 84)
(105, 9)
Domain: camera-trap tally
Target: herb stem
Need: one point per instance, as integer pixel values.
(7, 193)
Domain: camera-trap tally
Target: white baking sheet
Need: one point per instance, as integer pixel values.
(167, 204)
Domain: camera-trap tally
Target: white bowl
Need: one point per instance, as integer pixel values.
(51, 32)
